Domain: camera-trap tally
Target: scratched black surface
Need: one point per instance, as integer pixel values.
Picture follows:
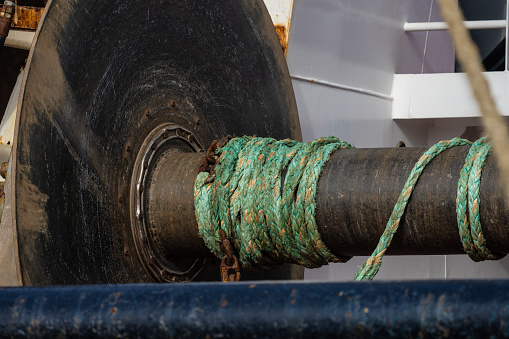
(431, 309)
(98, 66)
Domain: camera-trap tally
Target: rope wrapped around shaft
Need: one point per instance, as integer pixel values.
(469, 224)
(263, 198)
(467, 203)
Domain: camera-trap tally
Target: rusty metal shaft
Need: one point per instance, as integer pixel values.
(355, 197)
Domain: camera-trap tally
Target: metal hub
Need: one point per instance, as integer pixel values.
(160, 143)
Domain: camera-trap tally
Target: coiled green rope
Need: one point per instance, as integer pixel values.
(268, 222)
(271, 221)
(471, 237)
(467, 203)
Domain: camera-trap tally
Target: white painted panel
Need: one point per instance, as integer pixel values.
(425, 52)
(447, 95)
(348, 42)
(360, 119)
(353, 45)
(393, 268)
(280, 11)
(443, 129)
(462, 267)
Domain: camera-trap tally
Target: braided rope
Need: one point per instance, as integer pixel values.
(373, 263)
(462, 205)
(271, 221)
(470, 233)
(469, 224)
(266, 224)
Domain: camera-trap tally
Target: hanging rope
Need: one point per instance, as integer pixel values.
(263, 198)
(470, 60)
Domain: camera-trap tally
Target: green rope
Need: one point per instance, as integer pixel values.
(467, 203)
(471, 237)
(271, 221)
(268, 222)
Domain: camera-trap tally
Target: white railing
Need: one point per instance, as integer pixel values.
(441, 26)
(480, 24)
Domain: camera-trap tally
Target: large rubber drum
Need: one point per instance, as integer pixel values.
(102, 76)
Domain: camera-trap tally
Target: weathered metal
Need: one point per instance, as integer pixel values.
(359, 188)
(229, 262)
(355, 197)
(436, 309)
(159, 144)
(8, 250)
(27, 17)
(212, 67)
(281, 14)
(5, 20)
(20, 39)
(282, 33)
(3, 169)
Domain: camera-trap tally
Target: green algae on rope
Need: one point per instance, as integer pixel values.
(268, 221)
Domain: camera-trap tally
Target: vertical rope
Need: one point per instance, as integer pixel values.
(470, 60)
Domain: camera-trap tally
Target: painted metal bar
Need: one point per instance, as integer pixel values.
(454, 309)
(442, 26)
(342, 87)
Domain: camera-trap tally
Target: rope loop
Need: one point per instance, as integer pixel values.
(467, 203)
(467, 198)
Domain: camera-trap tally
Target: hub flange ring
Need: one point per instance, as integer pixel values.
(163, 140)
